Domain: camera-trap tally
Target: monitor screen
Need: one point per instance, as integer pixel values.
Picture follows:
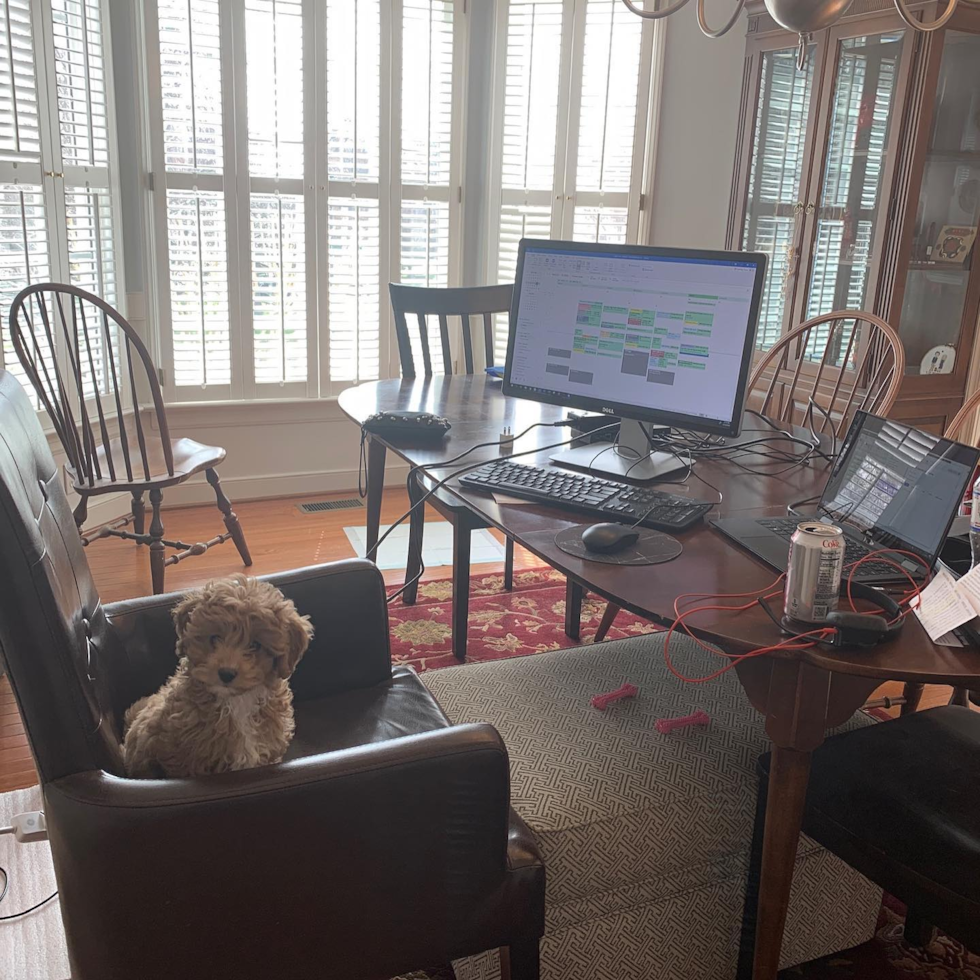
(659, 335)
(899, 485)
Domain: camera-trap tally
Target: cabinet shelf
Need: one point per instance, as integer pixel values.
(938, 267)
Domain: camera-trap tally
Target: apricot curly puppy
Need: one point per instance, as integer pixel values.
(229, 705)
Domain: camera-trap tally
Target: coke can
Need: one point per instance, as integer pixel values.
(813, 572)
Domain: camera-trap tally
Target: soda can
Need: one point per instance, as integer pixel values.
(813, 572)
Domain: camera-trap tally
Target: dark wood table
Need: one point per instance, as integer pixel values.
(801, 694)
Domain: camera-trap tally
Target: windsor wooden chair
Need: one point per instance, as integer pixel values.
(420, 303)
(93, 376)
(860, 368)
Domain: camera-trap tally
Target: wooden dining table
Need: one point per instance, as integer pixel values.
(800, 694)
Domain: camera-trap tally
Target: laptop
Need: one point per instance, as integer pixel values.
(892, 486)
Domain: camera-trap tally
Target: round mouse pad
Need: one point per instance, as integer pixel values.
(651, 548)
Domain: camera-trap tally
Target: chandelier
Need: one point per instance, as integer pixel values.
(803, 17)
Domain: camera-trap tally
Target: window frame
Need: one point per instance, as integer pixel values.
(317, 188)
(51, 175)
(564, 197)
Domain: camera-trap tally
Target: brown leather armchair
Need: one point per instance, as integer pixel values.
(384, 842)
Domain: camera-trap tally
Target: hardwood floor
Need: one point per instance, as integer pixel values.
(280, 536)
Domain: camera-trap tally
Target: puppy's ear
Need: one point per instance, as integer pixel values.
(300, 631)
(182, 611)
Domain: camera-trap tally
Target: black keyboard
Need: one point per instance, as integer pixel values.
(853, 551)
(616, 501)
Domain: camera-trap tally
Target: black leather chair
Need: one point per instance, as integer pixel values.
(384, 842)
(898, 801)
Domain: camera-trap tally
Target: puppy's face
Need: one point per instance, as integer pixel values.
(239, 634)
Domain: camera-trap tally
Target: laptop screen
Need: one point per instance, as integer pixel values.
(900, 486)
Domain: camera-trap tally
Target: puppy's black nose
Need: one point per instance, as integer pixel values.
(227, 675)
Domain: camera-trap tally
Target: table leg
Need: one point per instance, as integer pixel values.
(375, 488)
(788, 778)
(462, 534)
(574, 593)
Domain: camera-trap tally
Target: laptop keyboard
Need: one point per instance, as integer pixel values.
(853, 550)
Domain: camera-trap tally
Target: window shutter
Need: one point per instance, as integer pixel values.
(24, 238)
(354, 174)
(275, 89)
(427, 171)
(572, 107)
(196, 297)
(612, 70)
(84, 196)
(778, 148)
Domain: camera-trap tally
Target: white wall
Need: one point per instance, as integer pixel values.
(698, 122)
(309, 447)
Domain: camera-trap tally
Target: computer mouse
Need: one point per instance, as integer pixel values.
(606, 539)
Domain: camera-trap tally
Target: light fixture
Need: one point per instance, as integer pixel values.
(803, 17)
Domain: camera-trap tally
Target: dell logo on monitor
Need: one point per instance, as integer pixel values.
(608, 411)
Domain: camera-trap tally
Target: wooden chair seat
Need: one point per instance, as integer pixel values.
(189, 457)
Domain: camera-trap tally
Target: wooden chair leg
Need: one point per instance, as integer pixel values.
(80, 512)
(139, 514)
(158, 553)
(375, 489)
(509, 564)
(918, 932)
(461, 587)
(231, 518)
(960, 697)
(608, 618)
(416, 529)
(520, 961)
(574, 594)
(913, 695)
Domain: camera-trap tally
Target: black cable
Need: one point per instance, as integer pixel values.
(18, 915)
(466, 469)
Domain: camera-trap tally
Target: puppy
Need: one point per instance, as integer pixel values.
(229, 705)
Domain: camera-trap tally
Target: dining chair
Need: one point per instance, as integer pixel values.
(819, 376)
(897, 802)
(467, 302)
(92, 375)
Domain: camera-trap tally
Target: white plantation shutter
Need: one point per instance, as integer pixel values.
(58, 204)
(310, 154)
(192, 196)
(428, 165)
(282, 296)
(357, 168)
(571, 104)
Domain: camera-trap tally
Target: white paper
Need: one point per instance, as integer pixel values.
(969, 588)
(502, 498)
(948, 640)
(940, 606)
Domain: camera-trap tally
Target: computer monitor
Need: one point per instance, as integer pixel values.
(652, 335)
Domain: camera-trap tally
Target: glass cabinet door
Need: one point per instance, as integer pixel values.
(944, 237)
(773, 209)
(852, 199)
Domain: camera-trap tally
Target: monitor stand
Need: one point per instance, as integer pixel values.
(633, 444)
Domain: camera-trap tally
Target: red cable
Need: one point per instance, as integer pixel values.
(790, 643)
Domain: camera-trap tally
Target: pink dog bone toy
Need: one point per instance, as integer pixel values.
(667, 725)
(602, 701)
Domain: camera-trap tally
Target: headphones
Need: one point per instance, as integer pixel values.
(856, 629)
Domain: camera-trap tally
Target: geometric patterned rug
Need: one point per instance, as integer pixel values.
(531, 619)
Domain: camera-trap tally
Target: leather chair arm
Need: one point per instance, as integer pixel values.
(383, 856)
(345, 600)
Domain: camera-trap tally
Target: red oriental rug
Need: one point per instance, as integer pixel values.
(530, 619)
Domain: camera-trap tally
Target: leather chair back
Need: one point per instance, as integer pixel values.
(54, 638)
